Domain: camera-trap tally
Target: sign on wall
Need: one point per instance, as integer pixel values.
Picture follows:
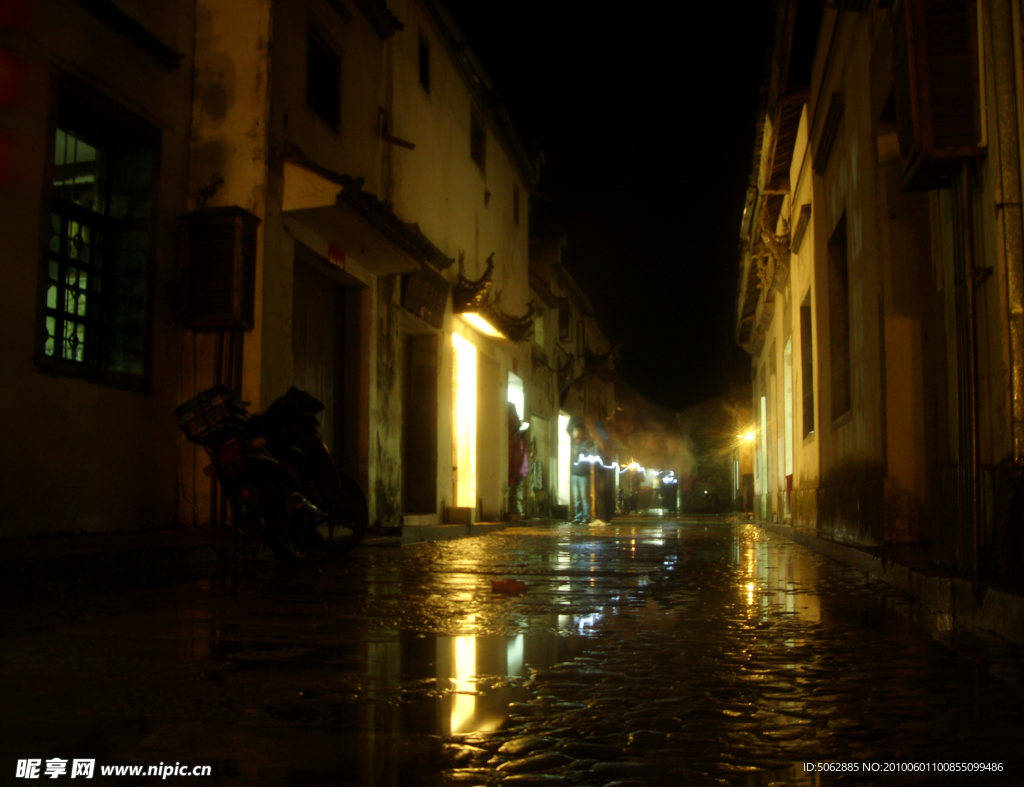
(425, 294)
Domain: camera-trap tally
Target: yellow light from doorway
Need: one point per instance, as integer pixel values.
(464, 420)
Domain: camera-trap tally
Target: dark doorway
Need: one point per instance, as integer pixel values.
(419, 425)
(327, 338)
(318, 314)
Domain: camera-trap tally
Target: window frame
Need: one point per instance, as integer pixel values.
(115, 111)
(564, 320)
(315, 31)
(424, 63)
(478, 139)
(807, 365)
(840, 355)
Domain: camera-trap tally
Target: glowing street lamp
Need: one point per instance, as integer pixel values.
(469, 299)
(478, 321)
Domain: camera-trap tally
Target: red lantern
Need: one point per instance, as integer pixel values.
(14, 14)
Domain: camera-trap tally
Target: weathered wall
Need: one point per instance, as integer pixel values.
(475, 216)
(91, 457)
(437, 187)
(227, 167)
(851, 447)
(801, 288)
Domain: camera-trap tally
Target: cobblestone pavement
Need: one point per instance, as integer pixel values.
(639, 653)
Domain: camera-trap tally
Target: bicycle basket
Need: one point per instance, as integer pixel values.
(202, 415)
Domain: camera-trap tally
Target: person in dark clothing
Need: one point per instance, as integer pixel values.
(669, 491)
(635, 482)
(582, 446)
(518, 461)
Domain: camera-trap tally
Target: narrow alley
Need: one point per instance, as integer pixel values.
(645, 652)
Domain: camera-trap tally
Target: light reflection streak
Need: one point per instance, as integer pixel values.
(669, 478)
(463, 705)
(464, 362)
(516, 649)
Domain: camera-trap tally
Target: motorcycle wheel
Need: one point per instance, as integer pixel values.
(348, 514)
(286, 537)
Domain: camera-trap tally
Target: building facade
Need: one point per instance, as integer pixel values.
(91, 351)
(262, 194)
(573, 371)
(880, 292)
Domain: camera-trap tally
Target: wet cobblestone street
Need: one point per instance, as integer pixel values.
(640, 653)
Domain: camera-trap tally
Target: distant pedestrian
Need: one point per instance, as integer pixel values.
(583, 449)
(518, 460)
(635, 481)
(669, 492)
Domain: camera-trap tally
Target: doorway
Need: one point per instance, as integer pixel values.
(318, 317)
(464, 380)
(329, 311)
(564, 462)
(419, 425)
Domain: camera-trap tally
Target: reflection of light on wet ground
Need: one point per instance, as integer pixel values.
(477, 677)
(388, 651)
(582, 624)
(516, 648)
(463, 704)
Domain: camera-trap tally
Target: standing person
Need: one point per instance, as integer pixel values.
(518, 460)
(636, 478)
(582, 446)
(604, 478)
(669, 490)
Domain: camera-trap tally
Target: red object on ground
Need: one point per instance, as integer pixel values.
(509, 586)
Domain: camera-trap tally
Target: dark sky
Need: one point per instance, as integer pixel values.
(647, 116)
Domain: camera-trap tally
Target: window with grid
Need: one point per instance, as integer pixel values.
(94, 317)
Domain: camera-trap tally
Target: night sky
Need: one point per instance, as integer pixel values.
(647, 118)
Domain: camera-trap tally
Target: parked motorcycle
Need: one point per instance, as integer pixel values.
(277, 472)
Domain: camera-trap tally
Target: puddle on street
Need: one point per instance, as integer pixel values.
(700, 651)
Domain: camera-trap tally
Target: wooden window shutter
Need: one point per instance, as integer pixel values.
(935, 66)
(220, 268)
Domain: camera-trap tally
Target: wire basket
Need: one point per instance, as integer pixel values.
(202, 415)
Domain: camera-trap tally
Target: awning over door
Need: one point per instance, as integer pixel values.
(334, 207)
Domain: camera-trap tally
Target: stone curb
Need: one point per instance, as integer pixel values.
(948, 603)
